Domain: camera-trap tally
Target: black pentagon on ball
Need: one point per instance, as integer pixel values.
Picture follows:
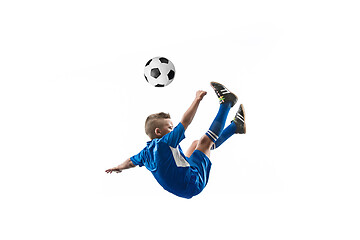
(148, 62)
(163, 60)
(146, 78)
(155, 72)
(159, 85)
(171, 74)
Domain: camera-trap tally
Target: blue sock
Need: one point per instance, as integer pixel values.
(228, 132)
(219, 122)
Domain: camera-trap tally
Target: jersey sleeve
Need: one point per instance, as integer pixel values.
(138, 159)
(174, 137)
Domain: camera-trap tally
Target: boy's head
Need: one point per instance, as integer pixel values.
(157, 125)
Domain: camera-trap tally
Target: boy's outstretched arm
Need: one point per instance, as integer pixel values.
(190, 113)
(125, 165)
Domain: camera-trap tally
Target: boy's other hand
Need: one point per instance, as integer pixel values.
(115, 169)
(200, 94)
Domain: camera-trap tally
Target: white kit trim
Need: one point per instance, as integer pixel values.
(179, 160)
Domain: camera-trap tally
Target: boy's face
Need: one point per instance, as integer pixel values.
(166, 127)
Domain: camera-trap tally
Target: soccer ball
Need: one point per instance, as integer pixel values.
(159, 71)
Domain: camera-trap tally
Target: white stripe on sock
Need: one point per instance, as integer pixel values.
(216, 136)
(213, 138)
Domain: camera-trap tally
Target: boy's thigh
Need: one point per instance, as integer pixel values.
(204, 145)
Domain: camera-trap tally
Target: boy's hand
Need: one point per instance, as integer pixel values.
(200, 94)
(115, 169)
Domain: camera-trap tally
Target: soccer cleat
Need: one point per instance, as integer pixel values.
(239, 120)
(224, 94)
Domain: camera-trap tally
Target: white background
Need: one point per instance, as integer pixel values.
(73, 101)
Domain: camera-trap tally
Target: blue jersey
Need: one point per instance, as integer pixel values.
(164, 158)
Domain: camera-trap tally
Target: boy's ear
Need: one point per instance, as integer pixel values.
(157, 132)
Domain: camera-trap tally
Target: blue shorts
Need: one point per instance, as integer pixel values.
(200, 165)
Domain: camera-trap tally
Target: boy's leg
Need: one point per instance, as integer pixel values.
(219, 122)
(225, 135)
(204, 145)
(237, 126)
(227, 100)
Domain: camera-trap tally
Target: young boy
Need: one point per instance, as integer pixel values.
(185, 175)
